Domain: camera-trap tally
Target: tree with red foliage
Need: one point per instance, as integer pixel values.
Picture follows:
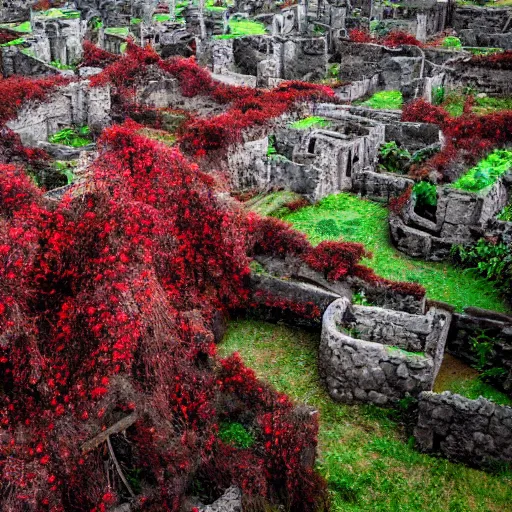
(394, 39)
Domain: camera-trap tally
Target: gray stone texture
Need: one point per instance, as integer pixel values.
(370, 371)
(476, 432)
(73, 104)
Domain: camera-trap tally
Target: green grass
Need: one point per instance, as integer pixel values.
(24, 28)
(368, 461)
(474, 388)
(271, 204)
(389, 100)
(240, 28)
(486, 172)
(454, 104)
(310, 122)
(358, 220)
(118, 31)
(14, 42)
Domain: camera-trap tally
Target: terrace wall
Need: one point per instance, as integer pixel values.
(476, 432)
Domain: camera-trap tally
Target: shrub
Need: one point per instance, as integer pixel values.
(491, 259)
(451, 42)
(391, 100)
(335, 259)
(393, 158)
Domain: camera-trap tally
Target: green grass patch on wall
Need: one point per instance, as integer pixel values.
(241, 28)
(310, 122)
(388, 100)
(486, 172)
(368, 461)
(358, 220)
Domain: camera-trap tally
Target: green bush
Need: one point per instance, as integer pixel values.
(452, 42)
(393, 158)
(489, 259)
(438, 95)
(424, 194)
(236, 434)
(74, 137)
(506, 213)
(486, 172)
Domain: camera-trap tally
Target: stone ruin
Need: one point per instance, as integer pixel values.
(380, 354)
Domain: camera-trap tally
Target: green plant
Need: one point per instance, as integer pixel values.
(310, 122)
(352, 331)
(328, 229)
(490, 259)
(57, 64)
(66, 168)
(74, 137)
(482, 345)
(424, 194)
(438, 95)
(243, 27)
(506, 213)
(271, 150)
(333, 71)
(389, 100)
(486, 172)
(360, 298)
(236, 434)
(452, 42)
(393, 158)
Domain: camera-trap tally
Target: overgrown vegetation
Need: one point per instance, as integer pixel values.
(489, 259)
(368, 460)
(236, 435)
(358, 220)
(486, 172)
(75, 137)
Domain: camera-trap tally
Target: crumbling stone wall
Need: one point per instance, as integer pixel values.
(487, 327)
(461, 218)
(370, 371)
(11, 10)
(15, 62)
(74, 104)
(476, 432)
(494, 82)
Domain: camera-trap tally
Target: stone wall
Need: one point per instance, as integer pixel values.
(380, 186)
(477, 432)
(15, 62)
(74, 104)
(494, 82)
(14, 10)
(379, 372)
(469, 327)
(461, 217)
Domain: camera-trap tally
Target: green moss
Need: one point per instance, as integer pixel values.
(368, 461)
(389, 100)
(25, 27)
(359, 220)
(486, 172)
(474, 388)
(405, 352)
(311, 122)
(236, 434)
(451, 42)
(241, 28)
(160, 18)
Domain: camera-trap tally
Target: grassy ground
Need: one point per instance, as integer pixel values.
(357, 220)
(458, 377)
(368, 461)
(454, 104)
